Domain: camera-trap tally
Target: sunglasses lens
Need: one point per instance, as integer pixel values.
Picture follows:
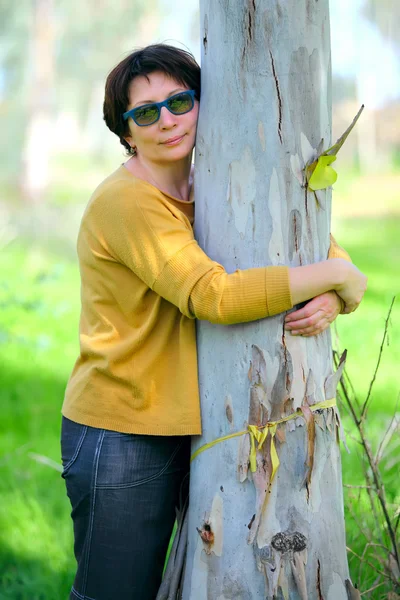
(146, 115)
(180, 103)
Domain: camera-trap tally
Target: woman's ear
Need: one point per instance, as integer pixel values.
(129, 140)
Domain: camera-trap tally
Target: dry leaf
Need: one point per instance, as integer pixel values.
(352, 592)
(309, 418)
(243, 458)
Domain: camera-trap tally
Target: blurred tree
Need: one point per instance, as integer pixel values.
(54, 57)
(102, 28)
(14, 27)
(34, 174)
(386, 15)
(343, 88)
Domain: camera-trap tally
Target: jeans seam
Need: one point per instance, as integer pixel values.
(78, 447)
(78, 595)
(103, 486)
(92, 508)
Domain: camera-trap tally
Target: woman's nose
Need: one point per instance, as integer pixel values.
(167, 119)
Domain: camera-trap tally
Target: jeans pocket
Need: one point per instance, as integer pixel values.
(128, 460)
(72, 437)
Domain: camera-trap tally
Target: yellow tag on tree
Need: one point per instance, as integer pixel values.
(323, 175)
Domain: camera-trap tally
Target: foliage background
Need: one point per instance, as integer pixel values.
(54, 57)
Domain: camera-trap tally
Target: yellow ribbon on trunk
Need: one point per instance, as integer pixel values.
(260, 433)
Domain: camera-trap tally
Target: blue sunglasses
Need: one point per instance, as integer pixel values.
(178, 104)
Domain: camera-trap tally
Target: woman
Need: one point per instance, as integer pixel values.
(132, 402)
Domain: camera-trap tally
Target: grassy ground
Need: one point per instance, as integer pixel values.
(39, 300)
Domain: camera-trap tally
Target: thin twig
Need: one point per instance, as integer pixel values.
(345, 376)
(374, 468)
(348, 400)
(372, 499)
(365, 533)
(375, 545)
(368, 563)
(377, 558)
(45, 460)
(397, 522)
(381, 496)
(361, 457)
(365, 405)
(363, 487)
(393, 425)
(373, 588)
(376, 476)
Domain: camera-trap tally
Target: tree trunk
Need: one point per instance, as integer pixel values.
(266, 106)
(39, 131)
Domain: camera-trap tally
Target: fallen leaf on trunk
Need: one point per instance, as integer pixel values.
(309, 418)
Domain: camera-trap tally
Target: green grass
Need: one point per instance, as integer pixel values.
(374, 245)
(39, 302)
(39, 299)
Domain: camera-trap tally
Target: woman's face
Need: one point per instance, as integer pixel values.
(152, 141)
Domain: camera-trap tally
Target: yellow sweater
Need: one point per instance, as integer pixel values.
(144, 281)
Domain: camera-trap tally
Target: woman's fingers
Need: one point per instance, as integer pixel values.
(308, 331)
(326, 305)
(307, 311)
(307, 322)
(315, 316)
(320, 326)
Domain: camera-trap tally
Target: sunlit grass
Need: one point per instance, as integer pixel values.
(39, 298)
(375, 194)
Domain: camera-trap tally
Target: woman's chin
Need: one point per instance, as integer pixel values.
(176, 154)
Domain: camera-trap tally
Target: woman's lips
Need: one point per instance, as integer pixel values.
(174, 141)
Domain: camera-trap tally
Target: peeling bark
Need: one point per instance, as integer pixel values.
(278, 93)
(352, 593)
(320, 596)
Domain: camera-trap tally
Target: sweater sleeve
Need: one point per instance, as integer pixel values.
(336, 251)
(140, 231)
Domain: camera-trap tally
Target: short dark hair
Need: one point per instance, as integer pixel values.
(176, 63)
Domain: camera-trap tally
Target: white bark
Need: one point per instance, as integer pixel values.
(35, 172)
(266, 105)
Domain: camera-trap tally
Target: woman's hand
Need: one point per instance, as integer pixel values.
(315, 316)
(352, 287)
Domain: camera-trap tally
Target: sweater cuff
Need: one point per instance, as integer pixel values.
(277, 287)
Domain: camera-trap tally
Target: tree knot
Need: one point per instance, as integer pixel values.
(289, 542)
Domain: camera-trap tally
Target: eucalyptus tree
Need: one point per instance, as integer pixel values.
(266, 517)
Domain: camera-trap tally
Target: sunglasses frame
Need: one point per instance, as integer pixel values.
(159, 105)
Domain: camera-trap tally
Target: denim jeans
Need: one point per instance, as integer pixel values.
(123, 490)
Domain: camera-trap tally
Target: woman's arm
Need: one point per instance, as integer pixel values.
(142, 233)
(336, 251)
(321, 311)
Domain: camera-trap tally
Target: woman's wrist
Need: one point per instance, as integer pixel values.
(342, 305)
(309, 281)
(337, 267)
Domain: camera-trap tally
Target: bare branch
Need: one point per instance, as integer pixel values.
(365, 533)
(363, 487)
(380, 490)
(393, 425)
(377, 558)
(369, 563)
(385, 333)
(373, 588)
(397, 522)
